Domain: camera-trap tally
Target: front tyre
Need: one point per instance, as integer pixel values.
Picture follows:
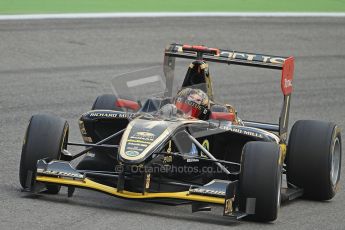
(260, 178)
(46, 136)
(314, 158)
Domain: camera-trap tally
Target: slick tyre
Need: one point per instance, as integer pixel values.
(314, 158)
(260, 178)
(108, 102)
(45, 137)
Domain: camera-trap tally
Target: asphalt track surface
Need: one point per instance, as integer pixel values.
(60, 66)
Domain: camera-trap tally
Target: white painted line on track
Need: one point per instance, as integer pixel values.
(168, 14)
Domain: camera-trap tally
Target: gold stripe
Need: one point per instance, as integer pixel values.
(282, 153)
(87, 183)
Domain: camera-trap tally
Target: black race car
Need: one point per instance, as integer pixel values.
(186, 148)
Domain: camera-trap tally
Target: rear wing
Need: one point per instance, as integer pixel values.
(285, 64)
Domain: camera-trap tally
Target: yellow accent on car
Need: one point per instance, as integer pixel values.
(139, 141)
(206, 144)
(87, 183)
(282, 153)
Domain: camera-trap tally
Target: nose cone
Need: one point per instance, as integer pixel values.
(141, 139)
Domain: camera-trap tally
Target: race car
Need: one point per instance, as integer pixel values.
(186, 148)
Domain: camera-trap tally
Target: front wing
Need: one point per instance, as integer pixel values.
(218, 192)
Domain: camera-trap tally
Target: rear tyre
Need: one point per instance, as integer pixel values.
(46, 136)
(108, 102)
(314, 158)
(260, 178)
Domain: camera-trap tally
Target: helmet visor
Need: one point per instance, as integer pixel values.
(188, 109)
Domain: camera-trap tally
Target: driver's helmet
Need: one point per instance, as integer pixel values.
(193, 102)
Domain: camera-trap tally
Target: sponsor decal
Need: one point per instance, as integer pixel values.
(287, 83)
(252, 57)
(132, 153)
(241, 131)
(58, 173)
(142, 137)
(192, 160)
(245, 56)
(112, 115)
(207, 191)
(138, 142)
(145, 134)
(193, 104)
(253, 134)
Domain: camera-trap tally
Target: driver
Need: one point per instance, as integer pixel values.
(193, 103)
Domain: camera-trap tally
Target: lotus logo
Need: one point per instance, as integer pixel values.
(132, 153)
